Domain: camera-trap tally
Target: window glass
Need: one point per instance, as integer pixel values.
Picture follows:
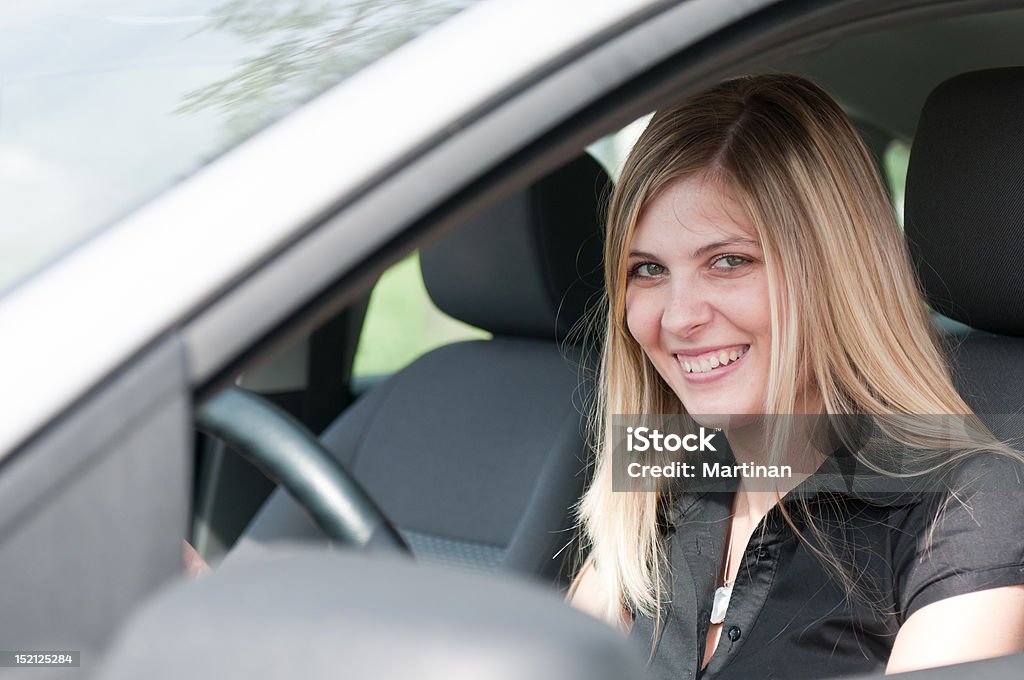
(106, 103)
(611, 151)
(402, 323)
(895, 162)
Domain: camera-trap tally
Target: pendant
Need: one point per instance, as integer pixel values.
(721, 604)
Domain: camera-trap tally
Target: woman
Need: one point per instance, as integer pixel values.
(754, 266)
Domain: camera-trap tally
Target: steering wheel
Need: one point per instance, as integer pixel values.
(290, 455)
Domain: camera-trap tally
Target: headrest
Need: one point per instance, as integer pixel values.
(965, 199)
(529, 266)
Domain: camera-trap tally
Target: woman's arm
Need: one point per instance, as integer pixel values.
(962, 628)
(584, 593)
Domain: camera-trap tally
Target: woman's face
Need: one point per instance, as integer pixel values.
(697, 299)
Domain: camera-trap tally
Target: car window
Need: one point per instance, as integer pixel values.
(105, 103)
(611, 150)
(894, 167)
(403, 324)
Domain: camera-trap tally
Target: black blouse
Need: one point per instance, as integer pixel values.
(790, 617)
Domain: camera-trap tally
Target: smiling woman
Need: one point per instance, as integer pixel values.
(754, 266)
(693, 256)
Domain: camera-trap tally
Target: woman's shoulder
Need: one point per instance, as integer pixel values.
(990, 477)
(963, 533)
(926, 480)
(985, 488)
(989, 471)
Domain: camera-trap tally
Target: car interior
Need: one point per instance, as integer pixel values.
(476, 450)
(525, 272)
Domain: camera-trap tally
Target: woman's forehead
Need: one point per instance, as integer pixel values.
(690, 213)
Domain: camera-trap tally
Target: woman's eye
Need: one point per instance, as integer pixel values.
(647, 270)
(729, 262)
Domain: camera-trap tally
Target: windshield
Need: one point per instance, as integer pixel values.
(103, 104)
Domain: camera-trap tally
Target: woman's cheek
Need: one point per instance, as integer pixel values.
(641, 321)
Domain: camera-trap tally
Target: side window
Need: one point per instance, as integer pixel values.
(403, 324)
(894, 165)
(611, 151)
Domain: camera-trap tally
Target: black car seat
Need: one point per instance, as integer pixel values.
(475, 451)
(964, 218)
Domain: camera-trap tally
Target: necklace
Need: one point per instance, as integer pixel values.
(724, 592)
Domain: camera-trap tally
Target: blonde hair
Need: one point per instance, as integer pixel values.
(846, 310)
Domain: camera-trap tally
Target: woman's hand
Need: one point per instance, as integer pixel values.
(195, 565)
(585, 594)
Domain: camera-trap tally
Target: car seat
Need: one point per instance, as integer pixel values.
(476, 451)
(964, 218)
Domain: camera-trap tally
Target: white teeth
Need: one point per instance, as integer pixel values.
(714, 361)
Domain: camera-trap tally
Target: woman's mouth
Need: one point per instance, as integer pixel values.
(709, 366)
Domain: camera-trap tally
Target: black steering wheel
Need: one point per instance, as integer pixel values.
(290, 455)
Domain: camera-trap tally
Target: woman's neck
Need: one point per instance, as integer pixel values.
(804, 453)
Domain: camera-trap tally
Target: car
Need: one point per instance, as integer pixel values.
(202, 197)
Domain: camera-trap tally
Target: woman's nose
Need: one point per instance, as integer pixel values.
(686, 311)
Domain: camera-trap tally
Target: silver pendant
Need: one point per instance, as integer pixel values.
(721, 604)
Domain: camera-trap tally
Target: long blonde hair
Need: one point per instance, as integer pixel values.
(847, 313)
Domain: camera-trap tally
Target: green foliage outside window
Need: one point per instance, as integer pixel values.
(402, 323)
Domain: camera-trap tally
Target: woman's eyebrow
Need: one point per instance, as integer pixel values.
(727, 243)
(640, 253)
(703, 250)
